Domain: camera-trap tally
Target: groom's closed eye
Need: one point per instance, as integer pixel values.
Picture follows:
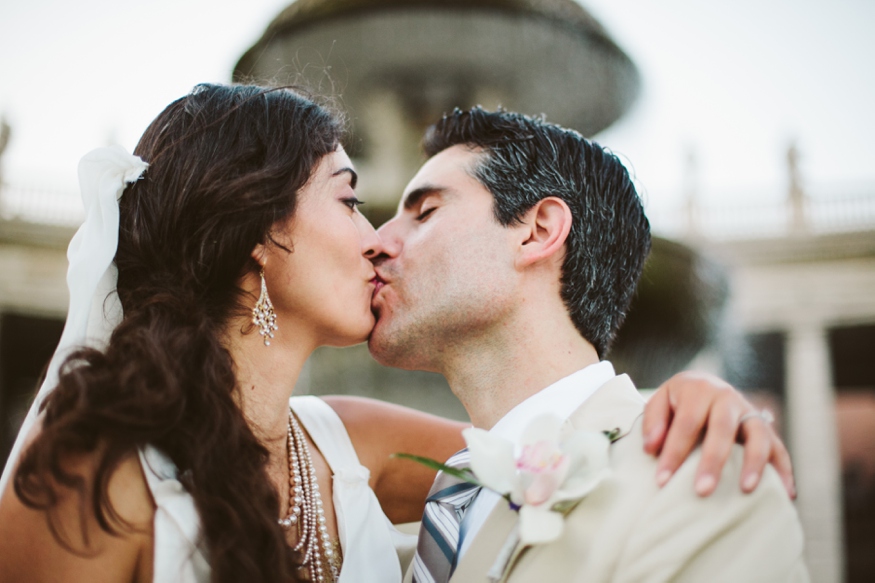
(424, 213)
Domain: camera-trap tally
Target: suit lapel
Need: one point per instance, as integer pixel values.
(613, 407)
(480, 556)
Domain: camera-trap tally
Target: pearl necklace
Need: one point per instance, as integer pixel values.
(305, 508)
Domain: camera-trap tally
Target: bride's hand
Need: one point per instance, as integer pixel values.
(691, 405)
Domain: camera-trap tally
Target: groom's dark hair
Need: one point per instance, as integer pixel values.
(525, 160)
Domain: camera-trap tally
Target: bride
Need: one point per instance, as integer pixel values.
(167, 447)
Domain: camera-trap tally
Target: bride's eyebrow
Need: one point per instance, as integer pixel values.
(353, 177)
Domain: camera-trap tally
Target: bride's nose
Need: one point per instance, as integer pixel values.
(372, 244)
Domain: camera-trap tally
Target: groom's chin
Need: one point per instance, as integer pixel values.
(377, 343)
(384, 346)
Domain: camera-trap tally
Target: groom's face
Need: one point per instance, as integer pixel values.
(447, 266)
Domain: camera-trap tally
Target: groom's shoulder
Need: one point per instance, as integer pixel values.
(672, 529)
(629, 463)
(633, 473)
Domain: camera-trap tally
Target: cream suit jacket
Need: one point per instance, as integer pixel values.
(629, 530)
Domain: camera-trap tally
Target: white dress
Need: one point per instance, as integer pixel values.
(371, 545)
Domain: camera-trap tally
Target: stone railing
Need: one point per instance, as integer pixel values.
(40, 205)
(854, 211)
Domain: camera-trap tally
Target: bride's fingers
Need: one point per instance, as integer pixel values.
(781, 461)
(757, 450)
(681, 389)
(719, 439)
(761, 446)
(657, 415)
(686, 427)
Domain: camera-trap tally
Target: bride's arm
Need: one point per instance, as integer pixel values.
(379, 429)
(67, 543)
(686, 409)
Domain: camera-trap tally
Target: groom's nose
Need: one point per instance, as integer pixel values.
(391, 237)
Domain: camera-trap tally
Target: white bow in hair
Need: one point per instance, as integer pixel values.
(94, 309)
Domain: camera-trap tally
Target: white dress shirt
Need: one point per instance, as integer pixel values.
(561, 398)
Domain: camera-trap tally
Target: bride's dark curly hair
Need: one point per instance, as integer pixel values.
(225, 164)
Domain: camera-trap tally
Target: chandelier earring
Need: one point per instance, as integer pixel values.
(263, 315)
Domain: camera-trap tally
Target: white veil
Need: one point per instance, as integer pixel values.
(94, 309)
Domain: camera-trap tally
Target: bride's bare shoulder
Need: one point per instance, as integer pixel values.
(60, 530)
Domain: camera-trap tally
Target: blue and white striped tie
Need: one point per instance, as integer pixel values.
(438, 545)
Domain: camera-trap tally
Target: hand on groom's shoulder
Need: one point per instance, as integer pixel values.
(629, 529)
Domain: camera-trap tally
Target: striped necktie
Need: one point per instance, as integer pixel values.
(438, 544)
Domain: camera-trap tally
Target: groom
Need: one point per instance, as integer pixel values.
(508, 269)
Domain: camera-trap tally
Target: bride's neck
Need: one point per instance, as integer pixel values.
(266, 377)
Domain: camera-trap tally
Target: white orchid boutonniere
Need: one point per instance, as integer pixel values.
(544, 476)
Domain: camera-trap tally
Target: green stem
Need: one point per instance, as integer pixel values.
(464, 474)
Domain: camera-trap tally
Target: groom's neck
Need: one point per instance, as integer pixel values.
(495, 374)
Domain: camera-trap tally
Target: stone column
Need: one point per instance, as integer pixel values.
(5, 132)
(795, 194)
(813, 442)
(691, 194)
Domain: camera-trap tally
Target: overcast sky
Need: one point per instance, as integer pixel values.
(733, 80)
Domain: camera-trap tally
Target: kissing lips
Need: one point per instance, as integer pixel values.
(378, 284)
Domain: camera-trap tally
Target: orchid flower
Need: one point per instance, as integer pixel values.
(550, 470)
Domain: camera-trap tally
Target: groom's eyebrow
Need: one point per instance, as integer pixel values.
(353, 177)
(412, 199)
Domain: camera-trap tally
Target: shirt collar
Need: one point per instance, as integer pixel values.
(561, 398)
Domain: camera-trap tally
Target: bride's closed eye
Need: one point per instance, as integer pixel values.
(352, 202)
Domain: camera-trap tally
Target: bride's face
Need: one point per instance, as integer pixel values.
(323, 288)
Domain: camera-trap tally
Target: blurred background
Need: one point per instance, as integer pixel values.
(747, 126)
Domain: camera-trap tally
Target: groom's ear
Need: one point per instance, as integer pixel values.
(544, 229)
